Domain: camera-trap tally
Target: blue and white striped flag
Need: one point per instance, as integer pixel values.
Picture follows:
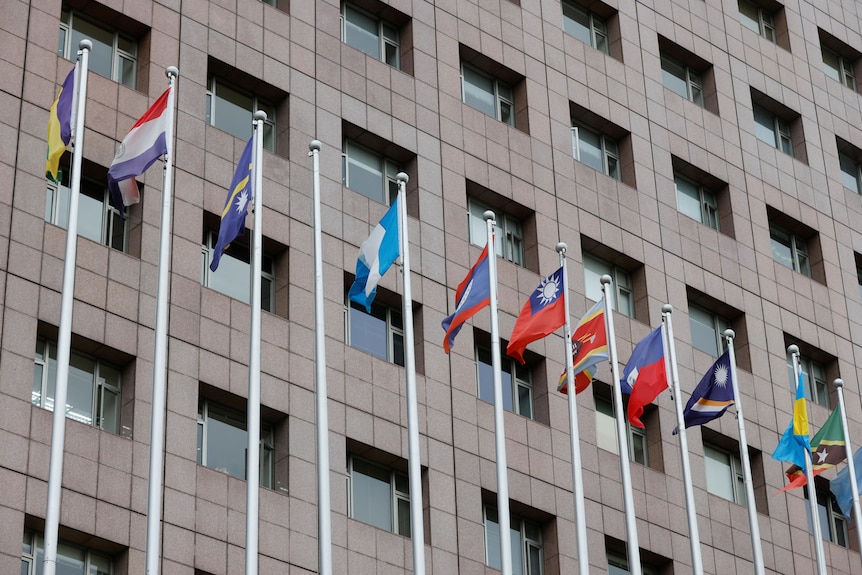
(376, 254)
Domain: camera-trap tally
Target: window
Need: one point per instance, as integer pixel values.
(380, 333)
(223, 442)
(681, 78)
(93, 389)
(230, 108)
(707, 329)
(508, 231)
(596, 150)
(858, 258)
(851, 167)
(814, 374)
(773, 130)
(606, 432)
(622, 299)
(114, 54)
(98, 220)
(696, 201)
(839, 59)
(378, 495)
(789, 249)
(833, 525)
(233, 275)
(757, 19)
(586, 26)
(516, 381)
(487, 94)
(526, 538)
(619, 565)
(724, 475)
(369, 173)
(364, 31)
(71, 559)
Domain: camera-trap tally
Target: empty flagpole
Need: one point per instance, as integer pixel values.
(253, 467)
(632, 546)
(414, 461)
(574, 434)
(324, 519)
(64, 339)
(753, 523)
(693, 531)
(851, 464)
(793, 350)
(160, 354)
(503, 519)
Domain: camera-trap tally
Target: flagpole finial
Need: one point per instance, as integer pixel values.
(315, 145)
(259, 115)
(561, 247)
(172, 72)
(85, 45)
(793, 349)
(838, 382)
(489, 216)
(729, 333)
(667, 308)
(606, 279)
(402, 177)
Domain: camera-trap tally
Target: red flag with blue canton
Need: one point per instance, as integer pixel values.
(544, 312)
(473, 294)
(646, 373)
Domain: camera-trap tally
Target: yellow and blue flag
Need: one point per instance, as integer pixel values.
(795, 442)
(60, 125)
(236, 205)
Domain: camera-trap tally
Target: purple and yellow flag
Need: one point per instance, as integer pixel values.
(60, 125)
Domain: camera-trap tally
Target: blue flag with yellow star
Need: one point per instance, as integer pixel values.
(712, 396)
(236, 206)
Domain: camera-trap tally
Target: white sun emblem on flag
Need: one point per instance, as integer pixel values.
(241, 201)
(547, 290)
(721, 376)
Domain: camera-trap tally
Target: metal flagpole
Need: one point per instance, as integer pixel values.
(64, 340)
(503, 519)
(160, 356)
(851, 464)
(693, 532)
(324, 519)
(632, 546)
(414, 462)
(753, 523)
(574, 435)
(793, 350)
(253, 452)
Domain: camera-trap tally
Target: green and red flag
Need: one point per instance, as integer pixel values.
(827, 450)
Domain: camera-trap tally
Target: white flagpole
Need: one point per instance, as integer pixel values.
(253, 452)
(693, 532)
(753, 523)
(793, 350)
(324, 519)
(64, 340)
(160, 354)
(574, 435)
(632, 546)
(414, 462)
(851, 464)
(503, 519)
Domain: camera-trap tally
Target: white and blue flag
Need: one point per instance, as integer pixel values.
(376, 254)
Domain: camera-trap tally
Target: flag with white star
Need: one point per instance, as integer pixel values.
(235, 209)
(712, 396)
(827, 450)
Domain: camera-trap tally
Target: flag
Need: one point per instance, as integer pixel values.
(60, 125)
(646, 373)
(376, 254)
(589, 348)
(841, 487)
(712, 396)
(794, 443)
(828, 450)
(473, 294)
(239, 195)
(544, 312)
(145, 143)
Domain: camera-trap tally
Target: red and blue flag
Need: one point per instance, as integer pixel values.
(473, 294)
(646, 374)
(544, 312)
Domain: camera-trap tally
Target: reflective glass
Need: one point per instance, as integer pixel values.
(589, 146)
(365, 172)
(361, 32)
(688, 198)
(368, 331)
(371, 496)
(703, 335)
(674, 75)
(226, 443)
(233, 111)
(101, 58)
(764, 126)
(850, 173)
(479, 92)
(719, 478)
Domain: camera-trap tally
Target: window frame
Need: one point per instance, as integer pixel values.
(844, 72)
(798, 246)
(848, 166)
(733, 462)
(33, 553)
(622, 282)
(499, 99)
(268, 270)
(68, 17)
(605, 410)
(238, 420)
(765, 24)
(526, 542)
(258, 103)
(521, 378)
(836, 530)
(597, 26)
(396, 495)
(383, 41)
(100, 385)
(58, 196)
(782, 137)
(609, 148)
(719, 325)
(707, 198)
(393, 332)
(618, 564)
(694, 86)
(388, 169)
(816, 379)
(509, 231)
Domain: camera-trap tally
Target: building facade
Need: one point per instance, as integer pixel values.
(704, 153)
